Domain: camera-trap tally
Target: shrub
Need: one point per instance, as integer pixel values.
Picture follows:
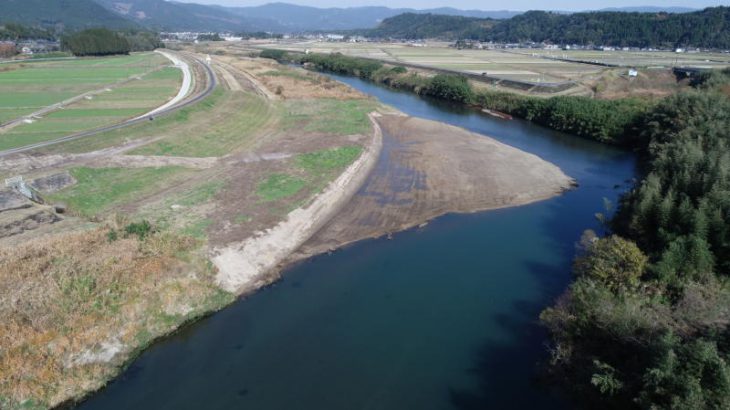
(273, 54)
(450, 87)
(140, 229)
(612, 261)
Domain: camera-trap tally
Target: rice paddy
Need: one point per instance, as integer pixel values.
(132, 85)
(537, 66)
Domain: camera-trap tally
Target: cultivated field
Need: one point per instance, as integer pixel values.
(639, 59)
(494, 63)
(534, 66)
(111, 89)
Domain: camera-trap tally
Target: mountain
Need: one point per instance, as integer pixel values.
(304, 18)
(708, 28)
(61, 14)
(173, 16)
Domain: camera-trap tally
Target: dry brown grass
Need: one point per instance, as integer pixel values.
(300, 84)
(294, 83)
(75, 306)
(613, 84)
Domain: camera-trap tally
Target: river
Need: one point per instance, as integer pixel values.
(441, 317)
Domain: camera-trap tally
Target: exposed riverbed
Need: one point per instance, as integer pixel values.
(440, 317)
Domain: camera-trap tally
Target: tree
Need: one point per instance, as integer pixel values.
(614, 262)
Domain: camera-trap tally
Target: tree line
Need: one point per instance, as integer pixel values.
(103, 42)
(709, 28)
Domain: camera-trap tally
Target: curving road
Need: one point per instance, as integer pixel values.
(210, 86)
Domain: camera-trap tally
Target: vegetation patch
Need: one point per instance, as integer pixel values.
(327, 160)
(279, 186)
(341, 117)
(98, 190)
(81, 305)
(191, 133)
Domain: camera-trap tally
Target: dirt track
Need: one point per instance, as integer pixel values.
(428, 169)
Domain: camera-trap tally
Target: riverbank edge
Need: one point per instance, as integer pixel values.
(346, 185)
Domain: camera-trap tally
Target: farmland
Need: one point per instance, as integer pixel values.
(645, 59)
(118, 87)
(531, 65)
(438, 55)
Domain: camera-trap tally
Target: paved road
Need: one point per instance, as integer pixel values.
(210, 86)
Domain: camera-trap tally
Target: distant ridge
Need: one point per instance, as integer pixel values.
(651, 9)
(708, 28)
(305, 18)
(272, 17)
(61, 14)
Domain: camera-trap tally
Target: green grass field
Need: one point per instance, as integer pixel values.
(346, 117)
(237, 118)
(319, 162)
(98, 190)
(279, 186)
(31, 87)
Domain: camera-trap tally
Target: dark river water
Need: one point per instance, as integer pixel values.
(442, 317)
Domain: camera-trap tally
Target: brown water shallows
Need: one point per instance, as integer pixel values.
(429, 169)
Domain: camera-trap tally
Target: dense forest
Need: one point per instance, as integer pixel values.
(708, 28)
(417, 26)
(15, 32)
(96, 42)
(645, 324)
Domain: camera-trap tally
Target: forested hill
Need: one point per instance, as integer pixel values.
(61, 14)
(705, 28)
(417, 26)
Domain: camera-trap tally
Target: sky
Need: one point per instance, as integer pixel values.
(520, 5)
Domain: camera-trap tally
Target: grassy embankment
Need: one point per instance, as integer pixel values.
(85, 302)
(27, 88)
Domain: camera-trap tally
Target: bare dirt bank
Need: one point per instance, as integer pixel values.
(428, 169)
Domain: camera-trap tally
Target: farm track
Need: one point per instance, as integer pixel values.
(211, 82)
